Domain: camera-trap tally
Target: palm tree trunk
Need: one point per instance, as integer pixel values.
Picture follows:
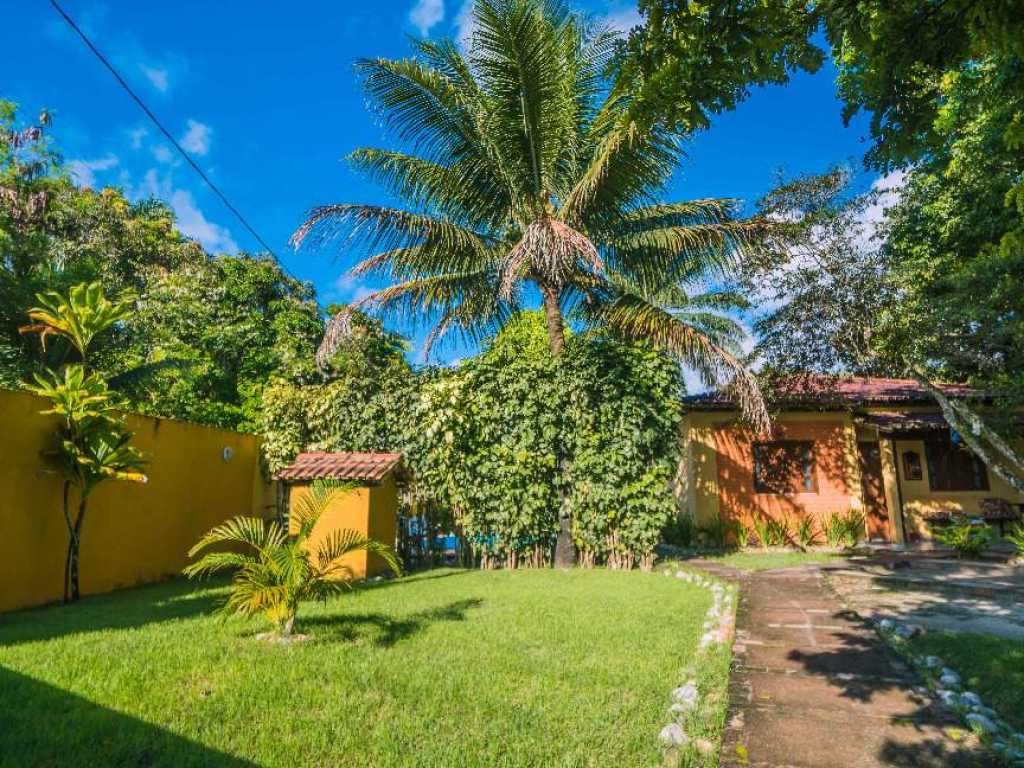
(553, 314)
(565, 552)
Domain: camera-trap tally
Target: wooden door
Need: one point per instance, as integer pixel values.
(873, 490)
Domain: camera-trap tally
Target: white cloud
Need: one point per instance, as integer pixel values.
(84, 171)
(887, 193)
(157, 77)
(425, 14)
(622, 18)
(197, 137)
(191, 220)
(163, 154)
(137, 135)
(465, 24)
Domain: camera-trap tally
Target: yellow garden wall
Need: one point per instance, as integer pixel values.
(133, 533)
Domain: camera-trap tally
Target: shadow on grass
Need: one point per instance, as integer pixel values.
(46, 726)
(380, 629)
(126, 609)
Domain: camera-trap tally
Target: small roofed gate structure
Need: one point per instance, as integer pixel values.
(371, 507)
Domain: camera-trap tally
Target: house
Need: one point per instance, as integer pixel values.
(369, 506)
(872, 445)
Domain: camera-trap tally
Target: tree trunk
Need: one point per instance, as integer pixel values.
(71, 538)
(287, 625)
(553, 315)
(74, 550)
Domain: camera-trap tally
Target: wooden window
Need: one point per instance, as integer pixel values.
(784, 466)
(911, 465)
(953, 468)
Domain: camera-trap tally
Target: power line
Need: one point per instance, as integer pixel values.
(167, 134)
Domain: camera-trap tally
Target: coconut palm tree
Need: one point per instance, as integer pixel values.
(526, 175)
(276, 571)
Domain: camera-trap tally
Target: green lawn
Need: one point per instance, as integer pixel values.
(992, 667)
(445, 668)
(756, 560)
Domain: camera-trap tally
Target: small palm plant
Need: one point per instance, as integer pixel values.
(279, 570)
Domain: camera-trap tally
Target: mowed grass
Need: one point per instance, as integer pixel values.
(992, 667)
(445, 668)
(759, 560)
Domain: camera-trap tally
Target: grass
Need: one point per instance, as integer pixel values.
(992, 667)
(754, 560)
(467, 668)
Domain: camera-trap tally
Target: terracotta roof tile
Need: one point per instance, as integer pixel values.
(365, 467)
(823, 391)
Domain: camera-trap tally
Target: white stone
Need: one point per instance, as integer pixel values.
(673, 735)
(981, 723)
(886, 624)
(932, 662)
(971, 699)
(950, 698)
(949, 678)
(686, 694)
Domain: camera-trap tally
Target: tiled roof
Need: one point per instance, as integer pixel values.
(823, 391)
(364, 467)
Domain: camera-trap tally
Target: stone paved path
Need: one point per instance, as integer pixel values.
(813, 686)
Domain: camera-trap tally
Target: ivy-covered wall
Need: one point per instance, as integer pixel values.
(500, 443)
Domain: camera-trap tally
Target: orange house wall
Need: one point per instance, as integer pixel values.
(833, 472)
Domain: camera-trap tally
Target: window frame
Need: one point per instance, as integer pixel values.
(935, 460)
(913, 468)
(809, 467)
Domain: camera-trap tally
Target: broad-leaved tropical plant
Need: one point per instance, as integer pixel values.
(92, 440)
(276, 571)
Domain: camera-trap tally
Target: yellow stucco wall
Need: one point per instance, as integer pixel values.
(133, 533)
(919, 500)
(370, 510)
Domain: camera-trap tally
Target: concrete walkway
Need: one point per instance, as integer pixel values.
(813, 686)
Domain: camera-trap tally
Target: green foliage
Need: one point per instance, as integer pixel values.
(967, 537)
(203, 335)
(806, 534)
(681, 531)
(92, 442)
(525, 173)
(483, 439)
(1016, 537)
(844, 529)
(363, 403)
(771, 532)
(692, 60)
(276, 571)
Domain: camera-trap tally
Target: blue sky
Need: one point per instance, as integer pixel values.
(263, 95)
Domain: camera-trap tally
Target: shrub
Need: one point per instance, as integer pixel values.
(967, 537)
(844, 529)
(806, 535)
(681, 531)
(1016, 537)
(771, 532)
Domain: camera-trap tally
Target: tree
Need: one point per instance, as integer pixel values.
(92, 441)
(207, 331)
(527, 174)
(692, 60)
(278, 571)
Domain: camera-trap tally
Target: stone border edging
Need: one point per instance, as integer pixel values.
(719, 628)
(946, 689)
